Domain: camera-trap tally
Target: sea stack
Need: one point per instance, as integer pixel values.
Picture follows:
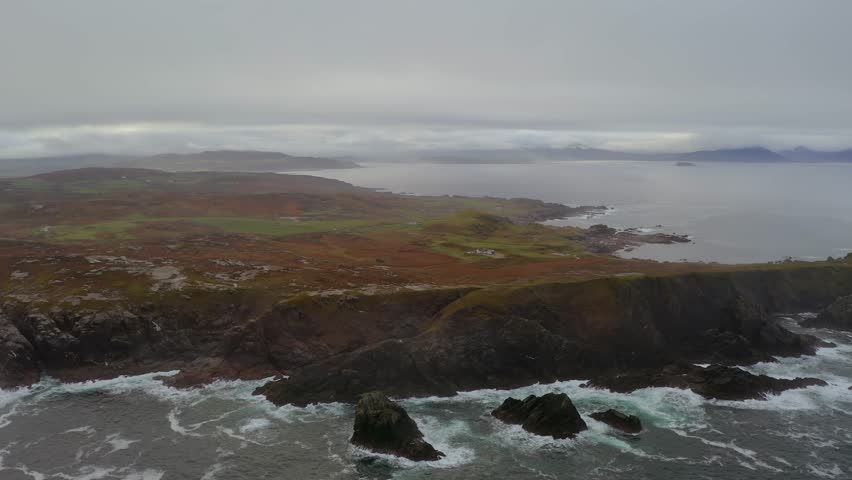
(552, 415)
(383, 426)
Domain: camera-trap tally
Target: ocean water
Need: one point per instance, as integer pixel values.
(135, 428)
(735, 213)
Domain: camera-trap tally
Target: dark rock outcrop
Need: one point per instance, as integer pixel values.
(838, 315)
(509, 337)
(206, 335)
(433, 342)
(550, 415)
(18, 365)
(382, 426)
(618, 420)
(715, 381)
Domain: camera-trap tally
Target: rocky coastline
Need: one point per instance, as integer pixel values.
(440, 341)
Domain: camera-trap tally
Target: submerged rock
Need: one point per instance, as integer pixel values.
(715, 381)
(551, 415)
(621, 421)
(382, 426)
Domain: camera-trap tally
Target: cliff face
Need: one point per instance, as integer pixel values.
(439, 341)
(207, 335)
(511, 337)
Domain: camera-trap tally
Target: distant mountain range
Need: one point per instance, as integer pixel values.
(740, 155)
(258, 161)
(802, 154)
(239, 161)
(213, 161)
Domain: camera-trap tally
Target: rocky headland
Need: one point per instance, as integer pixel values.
(511, 337)
(624, 332)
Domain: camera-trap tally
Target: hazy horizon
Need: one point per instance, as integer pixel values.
(393, 76)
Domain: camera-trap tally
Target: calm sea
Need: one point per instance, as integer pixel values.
(735, 213)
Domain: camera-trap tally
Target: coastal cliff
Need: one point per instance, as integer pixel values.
(436, 341)
(507, 337)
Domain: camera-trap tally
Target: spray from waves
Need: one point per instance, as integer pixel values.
(832, 397)
(831, 364)
(255, 424)
(11, 399)
(314, 412)
(820, 364)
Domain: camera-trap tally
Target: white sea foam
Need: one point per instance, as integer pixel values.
(664, 407)
(833, 471)
(314, 412)
(442, 435)
(117, 442)
(212, 471)
(11, 399)
(88, 472)
(255, 424)
(749, 458)
(151, 384)
(86, 429)
(147, 474)
(13, 395)
(30, 473)
(176, 427)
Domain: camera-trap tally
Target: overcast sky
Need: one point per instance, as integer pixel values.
(357, 76)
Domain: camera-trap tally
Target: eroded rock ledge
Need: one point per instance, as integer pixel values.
(714, 381)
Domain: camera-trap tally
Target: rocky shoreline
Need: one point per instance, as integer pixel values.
(621, 332)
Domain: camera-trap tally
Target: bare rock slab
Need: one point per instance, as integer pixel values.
(619, 421)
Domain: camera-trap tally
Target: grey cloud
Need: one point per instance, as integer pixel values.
(716, 70)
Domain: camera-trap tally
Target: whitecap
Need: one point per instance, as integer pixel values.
(747, 454)
(86, 429)
(255, 424)
(799, 399)
(665, 407)
(826, 472)
(443, 436)
(88, 473)
(244, 438)
(13, 398)
(117, 442)
(314, 412)
(147, 474)
(212, 471)
(176, 427)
